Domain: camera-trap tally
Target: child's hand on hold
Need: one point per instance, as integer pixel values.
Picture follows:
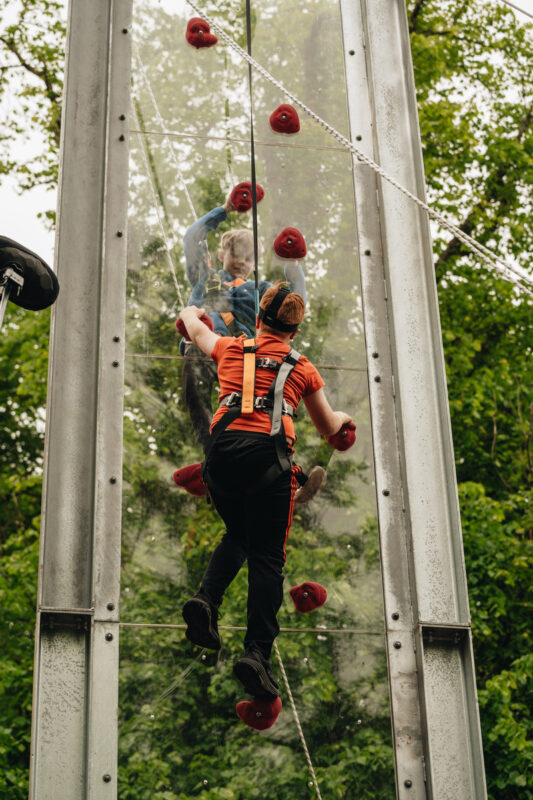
(228, 206)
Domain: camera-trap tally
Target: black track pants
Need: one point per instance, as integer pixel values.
(257, 526)
(198, 377)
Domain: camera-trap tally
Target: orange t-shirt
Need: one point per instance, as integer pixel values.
(302, 381)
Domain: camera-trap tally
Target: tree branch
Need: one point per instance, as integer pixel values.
(455, 246)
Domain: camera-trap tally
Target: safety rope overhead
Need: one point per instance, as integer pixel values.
(252, 159)
(517, 8)
(507, 271)
(297, 720)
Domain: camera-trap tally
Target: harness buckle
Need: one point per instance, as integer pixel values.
(268, 363)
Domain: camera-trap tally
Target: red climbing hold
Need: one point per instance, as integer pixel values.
(180, 325)
(344, 438)
(190, 479)
(290, 244)
(259, 714)
(241, 195)
(308, 596)
(199, 33)
(285, 119)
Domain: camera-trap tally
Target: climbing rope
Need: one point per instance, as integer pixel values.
(297, 720)
(507, 271)
(159, 218)
(252, 159)
(517, 8)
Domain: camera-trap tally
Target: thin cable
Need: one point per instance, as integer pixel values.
(297, 720)
(210, 361)
(176, 626)
(235, 140)
(252, 158)
(160, 220)
(506, 270)
(517, 8)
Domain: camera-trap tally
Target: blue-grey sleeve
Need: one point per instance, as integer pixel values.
(295, 276)
(195, 245)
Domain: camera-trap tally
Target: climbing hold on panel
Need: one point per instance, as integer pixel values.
(344, 438)
(290, 243)
(259, 714)
(241, 195)
(183, 330)
(199, 34)
(190, 479)
(308, 596)
(285, 119)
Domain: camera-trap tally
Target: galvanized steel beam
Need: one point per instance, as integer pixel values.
(434, 712)
(74, 729)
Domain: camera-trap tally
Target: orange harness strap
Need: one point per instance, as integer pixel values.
(248, 377)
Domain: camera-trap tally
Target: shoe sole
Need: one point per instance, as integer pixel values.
(255, 680)
(199, 629)
(315, 482)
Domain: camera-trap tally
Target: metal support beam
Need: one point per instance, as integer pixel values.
(74, 729)
(434, 711)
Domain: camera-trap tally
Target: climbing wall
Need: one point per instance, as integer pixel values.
(189, 144)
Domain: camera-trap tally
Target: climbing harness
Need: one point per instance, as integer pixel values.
(507, 271)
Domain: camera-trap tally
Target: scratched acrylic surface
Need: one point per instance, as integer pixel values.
(189, 145)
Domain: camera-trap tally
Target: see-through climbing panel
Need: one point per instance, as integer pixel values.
(189, 145)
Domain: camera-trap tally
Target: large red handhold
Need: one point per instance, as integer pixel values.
(241, 195)
(344, 438)
(259, 714)
(285, 119)
(308, 596)
(180, 325)
(199, 33)
(290, 243)
(190, 479)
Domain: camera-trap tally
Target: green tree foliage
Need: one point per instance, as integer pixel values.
(179, 737)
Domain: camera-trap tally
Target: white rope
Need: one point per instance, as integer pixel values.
(517, 8)
(506, 270)
(158, 212)
(297, 720)
(148, 86)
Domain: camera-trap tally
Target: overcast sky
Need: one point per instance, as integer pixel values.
(19, 212)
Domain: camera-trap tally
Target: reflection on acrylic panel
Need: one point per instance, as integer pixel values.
(177, 713)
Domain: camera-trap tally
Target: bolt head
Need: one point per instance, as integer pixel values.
(110, 606)
(395, 615)
(408, 783)
(106, 778)
(367, 252)
(112, 479)
(397, 645)
(109, 637)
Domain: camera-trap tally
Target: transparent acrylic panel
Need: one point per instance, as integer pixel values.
(188, 148)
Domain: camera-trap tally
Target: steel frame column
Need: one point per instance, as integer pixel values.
(74, 728)
(435, 719)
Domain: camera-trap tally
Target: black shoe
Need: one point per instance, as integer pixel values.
(201, 618)
(254, 672)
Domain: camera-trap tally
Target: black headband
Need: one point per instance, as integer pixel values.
(269, 315)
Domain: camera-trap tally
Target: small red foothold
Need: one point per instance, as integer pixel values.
(344, 438)
(180, 325)
(308, 596)
(199, 34)
(241, 195)
(285, 119)
(190, 479)
(290, 243)
(259, 714)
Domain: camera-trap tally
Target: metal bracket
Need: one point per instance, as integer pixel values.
(60, 620)
(442, 633)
